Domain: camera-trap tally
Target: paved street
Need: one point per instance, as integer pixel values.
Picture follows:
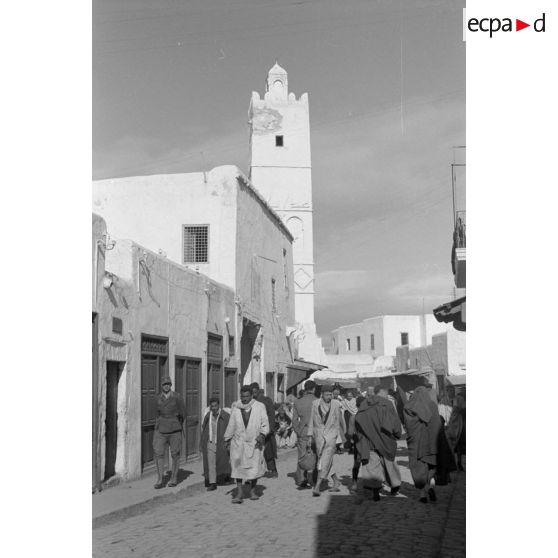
(286, 522)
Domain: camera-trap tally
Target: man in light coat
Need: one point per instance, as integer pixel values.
(245, 434)
(326, 424)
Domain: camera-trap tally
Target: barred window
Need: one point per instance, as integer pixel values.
(195, 243)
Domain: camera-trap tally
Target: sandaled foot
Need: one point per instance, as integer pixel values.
(172, 483)
(158, 485)
(254, 497)
(315, 492)
(237, 500)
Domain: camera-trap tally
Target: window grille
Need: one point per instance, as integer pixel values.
(196, 244)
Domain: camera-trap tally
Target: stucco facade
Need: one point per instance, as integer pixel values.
(249, 250)
(281, 169)
(151, 297)
(381, 335)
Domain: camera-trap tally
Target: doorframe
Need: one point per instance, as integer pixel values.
(150, 465)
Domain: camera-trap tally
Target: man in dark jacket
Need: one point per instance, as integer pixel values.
(270, 450)
(302, 415)
(216, 464)
(377, 428)
(168, 431)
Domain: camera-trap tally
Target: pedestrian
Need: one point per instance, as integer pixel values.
(216, 463)
(285, 435)
(444, 409)
(377, 429)
(351, 433)
(302, 416)
(455, 430)
(245, 437)
(326, 425)
(391, 468)
(336, 394)
(348, 403)
(270, 452)
(422, 422)
(168, 431)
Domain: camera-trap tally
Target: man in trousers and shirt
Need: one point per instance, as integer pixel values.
(270, 451)
(168, 431)
(378, 428)
(302, 415)
(326, 424)
(216, 464)
(245, 436)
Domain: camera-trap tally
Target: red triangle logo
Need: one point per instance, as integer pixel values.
(519, 25)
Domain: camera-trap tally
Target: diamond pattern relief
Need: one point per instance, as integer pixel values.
(302, 279)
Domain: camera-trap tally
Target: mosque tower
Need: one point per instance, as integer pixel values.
(281, 170)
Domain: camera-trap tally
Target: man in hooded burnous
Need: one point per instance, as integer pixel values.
(326, 425)
(216, 465)
(245, 434)
(422, 422)
(377, 429)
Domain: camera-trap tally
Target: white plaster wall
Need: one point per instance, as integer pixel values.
(433, 327)
(456, 352)
(393, 326)
(266, 254)
(176, 303)
(449, 352)
(151, 210)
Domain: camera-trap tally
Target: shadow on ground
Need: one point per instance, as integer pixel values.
(355, 525)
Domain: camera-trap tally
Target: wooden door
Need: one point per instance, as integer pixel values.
(149, 383)
(193, 406)
(214, 366)
(231, 382)
(111, 417)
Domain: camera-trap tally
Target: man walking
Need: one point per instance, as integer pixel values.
(216, 464)
(245, 434)
(302, 415)
(391, 468)
(378, 428)
(326, 424)
(168, 431)
(270, 450)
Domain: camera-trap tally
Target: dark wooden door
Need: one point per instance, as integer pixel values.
(193, 406)
(111, 417)
(214, 367)
(231, 382)
(149, 384)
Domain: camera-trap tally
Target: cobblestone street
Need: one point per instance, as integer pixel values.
(287, 522)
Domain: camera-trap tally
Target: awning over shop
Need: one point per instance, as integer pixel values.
(452, 312)
(457, 380)
(300, 370)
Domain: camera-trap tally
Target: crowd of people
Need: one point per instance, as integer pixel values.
(240, 444)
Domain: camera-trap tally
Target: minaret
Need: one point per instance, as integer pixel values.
(281, 170)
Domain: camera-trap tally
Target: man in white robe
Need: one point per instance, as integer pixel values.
(326, 425)
(246, 432)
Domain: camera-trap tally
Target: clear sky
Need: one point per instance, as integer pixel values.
(172, 81)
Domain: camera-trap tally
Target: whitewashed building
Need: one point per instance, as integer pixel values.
(381, 335)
